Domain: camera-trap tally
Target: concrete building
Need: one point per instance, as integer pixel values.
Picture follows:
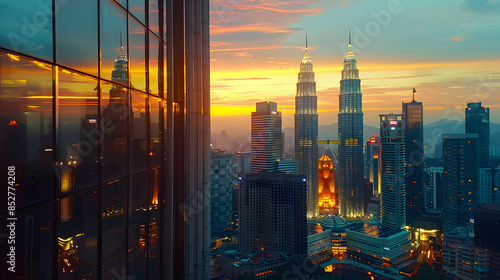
(393, 195)
(486, 224)
(477, 121)
(273, 214)
(372, 171)
(376, 245)
(434, 194)
(221, 191)
(267, 139)
(460, 179)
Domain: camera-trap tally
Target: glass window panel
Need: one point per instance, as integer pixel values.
(114, 114)
(138, 225)
(136, 7)
(78, 134)
(123, 3)
(154, 54)
(34, 243)
(138, 132)
(137, 34)
(163, 37)
(165, 71)
(77, 235)
(155, 135)
(114, 228)
(114, 42)
(154, 23)
(26, 125)
(76, 35)
(154, 225)
(26, 27)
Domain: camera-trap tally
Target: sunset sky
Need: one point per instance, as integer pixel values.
(448, 50)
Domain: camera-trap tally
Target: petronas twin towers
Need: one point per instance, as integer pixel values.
(306, 133)
(350, 122)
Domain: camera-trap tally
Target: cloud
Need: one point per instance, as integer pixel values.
(260, 48)
(241, 54)
(401, 77)
(482, 6)
(457, 38)
(220, 86)
(242, 79)
(218, 43)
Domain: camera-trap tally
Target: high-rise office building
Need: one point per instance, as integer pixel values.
(266, 137)
(272, 213)
(414, 145)
(477, 120)
(486, 225)
(306, 132)
(392, 153)
(434, 196)
(350, 121)
(460, 179)
(114, 177)
(221, 191)
(372, 172)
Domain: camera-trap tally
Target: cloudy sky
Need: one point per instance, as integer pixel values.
(449, 50)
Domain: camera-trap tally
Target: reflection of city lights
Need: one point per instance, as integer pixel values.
(13, 57)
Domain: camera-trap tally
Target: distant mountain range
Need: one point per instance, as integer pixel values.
(432, 132)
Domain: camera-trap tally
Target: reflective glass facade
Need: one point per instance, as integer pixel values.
(267, 147)
(94, 96)
(414, 143)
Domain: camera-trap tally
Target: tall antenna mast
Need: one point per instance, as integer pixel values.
(349, 37)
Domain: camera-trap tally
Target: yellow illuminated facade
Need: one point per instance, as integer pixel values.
(326, 185)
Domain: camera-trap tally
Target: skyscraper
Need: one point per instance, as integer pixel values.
(477, 120)
(350, 121)
(87, 102)
(273, 213)
(306, 132)
(486, 225)
(392, 152)
(221, 191)
(373, 174)
(267, 149)
(460, 179)
(414, 143)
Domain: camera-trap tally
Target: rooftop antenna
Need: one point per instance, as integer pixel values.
(306, 41)
(121, 42)
(414, 94)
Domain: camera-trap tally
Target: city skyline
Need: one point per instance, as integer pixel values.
(444, 57)
(195, 140)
